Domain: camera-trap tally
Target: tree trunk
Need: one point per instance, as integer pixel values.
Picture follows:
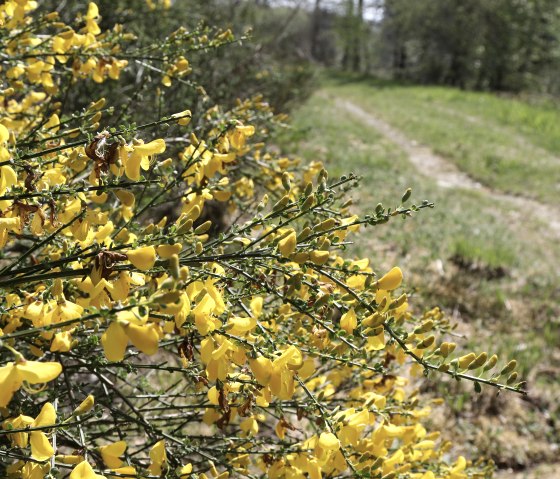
(315, 28)
(348, 36)
(358, 37)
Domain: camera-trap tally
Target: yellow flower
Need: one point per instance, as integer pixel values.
(85, 406)
(143, 258)
(287, 245)
(4, 134)
(319, 257)
(203, 315)
(13, 375)
(62, 342)
(262, 370)
(249, 426)
(239, 135)
(257, 306)
(144, 337)
(184, 471)
(326, 444)
(115, 340)
(41, 448)
(125, 471)
(158, 457)
(457, 471)
(33, 470)
(4, 137)
(392, 280)
(282, 382)
(138, 156)
(165, 251)
(126, 197)
(8, 224)
(348, 321)
(84, 471)
(240, 326)
(184, 117)
(377, 342)
(8, 178)
(111, 454)
(91, 15)
(329, 441)
(19, 439)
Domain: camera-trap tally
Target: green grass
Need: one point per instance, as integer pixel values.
(495, 254)
(450, 254)
(507, 144)
(464, 222)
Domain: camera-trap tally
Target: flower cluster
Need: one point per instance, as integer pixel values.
(142, 338)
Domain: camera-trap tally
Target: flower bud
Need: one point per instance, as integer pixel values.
(286, 181)
(447, 348)
(509, 367)
(86, 406)
(203, 228)
(281, 203)
(466, 360)
(491, 362)
(512, 377)
(406, 195)
(479, 361)
(426, 343)
(308, 203)
(325, 225)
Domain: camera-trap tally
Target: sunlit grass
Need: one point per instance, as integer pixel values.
(486, 265)
(504, 143)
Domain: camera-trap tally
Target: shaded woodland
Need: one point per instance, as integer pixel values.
(497, 45)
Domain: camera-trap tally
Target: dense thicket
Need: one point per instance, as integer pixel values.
(257, 65)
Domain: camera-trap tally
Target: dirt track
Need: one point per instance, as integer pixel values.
(447, 175)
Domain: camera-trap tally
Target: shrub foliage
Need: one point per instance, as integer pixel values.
(139, 339)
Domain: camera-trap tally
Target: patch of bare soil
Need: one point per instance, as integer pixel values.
(544, 471)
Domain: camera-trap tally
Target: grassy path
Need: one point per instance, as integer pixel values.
(503, 143)
(447, 175)
(488, 254)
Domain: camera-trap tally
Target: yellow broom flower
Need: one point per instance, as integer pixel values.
(13, 375)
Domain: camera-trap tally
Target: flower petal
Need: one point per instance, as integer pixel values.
(41, 448)
(114, 342)
(84, 471)
(329, 441)
(392, 280)
(47, 416)
(111, 454)
(35, 372)
(10, 382)
(143, 258)
(145, 338)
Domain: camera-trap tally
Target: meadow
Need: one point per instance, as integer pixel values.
(487, 254)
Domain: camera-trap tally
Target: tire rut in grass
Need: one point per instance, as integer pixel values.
(447, 175)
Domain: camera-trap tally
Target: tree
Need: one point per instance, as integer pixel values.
(315, 28)
(497, 45)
